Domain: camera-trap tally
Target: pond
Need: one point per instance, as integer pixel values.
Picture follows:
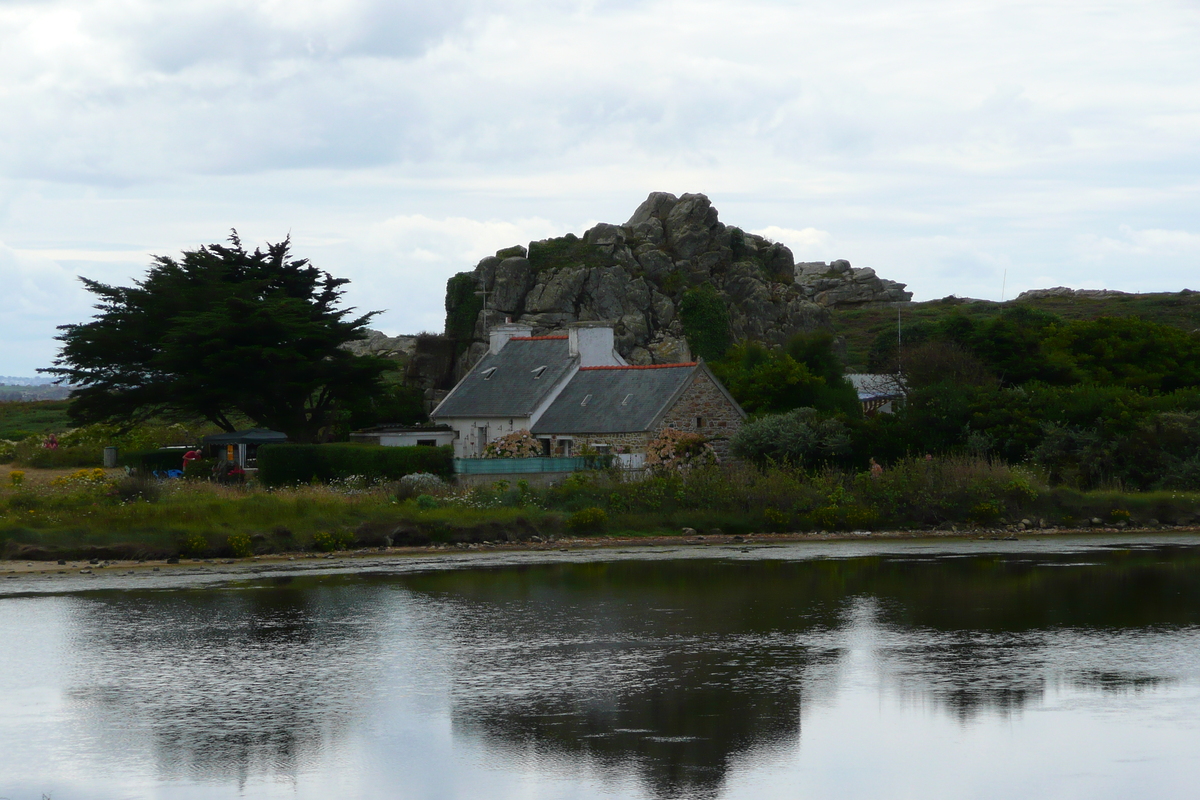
(949, 669)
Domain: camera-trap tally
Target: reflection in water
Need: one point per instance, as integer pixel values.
(228, 684)
(681, 677)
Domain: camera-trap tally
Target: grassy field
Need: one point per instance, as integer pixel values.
(860, 326)
(36, 417)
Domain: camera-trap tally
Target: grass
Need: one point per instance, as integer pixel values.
(860, 326)
(30, 418)
(93, 513)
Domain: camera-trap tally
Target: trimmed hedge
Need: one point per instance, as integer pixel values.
(286, 464)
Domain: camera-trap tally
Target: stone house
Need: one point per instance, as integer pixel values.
(575, 390)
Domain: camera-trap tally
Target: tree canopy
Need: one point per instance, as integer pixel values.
(220, 333)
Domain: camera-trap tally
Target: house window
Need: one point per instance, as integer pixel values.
(699, 422)
(537, 373)
(545, 443)
(488, 373)
(565, 448)
(426, 442)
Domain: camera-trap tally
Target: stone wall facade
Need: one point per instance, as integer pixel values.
(705, 409)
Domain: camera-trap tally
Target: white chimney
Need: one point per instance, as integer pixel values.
(500, 334)
(593, 343)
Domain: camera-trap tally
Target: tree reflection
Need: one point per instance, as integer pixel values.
(224, 685)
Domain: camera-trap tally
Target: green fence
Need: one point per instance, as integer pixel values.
(516, 466)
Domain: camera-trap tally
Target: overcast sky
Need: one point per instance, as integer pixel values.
(941, 142)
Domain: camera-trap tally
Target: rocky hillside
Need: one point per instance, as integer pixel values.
(639, 273)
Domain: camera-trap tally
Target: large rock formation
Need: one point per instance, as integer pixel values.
(636, 275)
(839, 284)
(1070, 294)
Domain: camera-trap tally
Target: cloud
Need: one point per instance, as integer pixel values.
(1132, 242)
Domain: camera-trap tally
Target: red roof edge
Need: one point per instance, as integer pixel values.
(645, 366)
(534, 338)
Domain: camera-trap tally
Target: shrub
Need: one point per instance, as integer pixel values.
(799, 438)
(425, 502)
(588, 520)
(16, 477)
(199, 469)
(194, 544)
(284, 464)
(329, 541)
(239, 545)
(518, 444)
(674, 450)
(418, 483)
(705, 321)
(43, 458)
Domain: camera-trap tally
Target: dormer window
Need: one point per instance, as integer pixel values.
(537, 373)
(585, 400)
(488, 373)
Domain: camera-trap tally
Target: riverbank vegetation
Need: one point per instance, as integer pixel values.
(94, 513)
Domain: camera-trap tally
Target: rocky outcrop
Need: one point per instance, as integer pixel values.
(839, 284)
(636, 275)
(1063, 291)
(378, 343)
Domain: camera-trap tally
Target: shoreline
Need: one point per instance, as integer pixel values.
(372, 558)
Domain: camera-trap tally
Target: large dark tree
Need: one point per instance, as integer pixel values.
(220, 333)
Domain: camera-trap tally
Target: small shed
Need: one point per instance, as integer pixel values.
(241, 447)
(878, 392)
(405, 435)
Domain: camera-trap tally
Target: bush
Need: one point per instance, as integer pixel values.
(44, 458)
(200, 469)
(194, 544)
(329, 541)
(799, 438)
(705, 321)
(426, 503)
(239, 545)
(289, 464)
(418, 483)
(588, 520)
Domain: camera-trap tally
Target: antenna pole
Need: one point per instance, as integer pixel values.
(1004, 285)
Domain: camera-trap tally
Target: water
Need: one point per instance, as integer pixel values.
(1065, 668)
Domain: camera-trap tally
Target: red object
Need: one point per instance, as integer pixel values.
(189, 457)
(644, 366)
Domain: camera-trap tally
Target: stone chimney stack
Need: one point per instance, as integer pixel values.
(500, 334)
(594, 344)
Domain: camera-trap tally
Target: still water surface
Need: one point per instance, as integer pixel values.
(1044, 669)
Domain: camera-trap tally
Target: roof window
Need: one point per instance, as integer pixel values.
(488, 373)
(625, 402)
(537, 373)
(585, 400)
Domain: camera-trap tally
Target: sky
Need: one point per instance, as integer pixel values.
(962, 147)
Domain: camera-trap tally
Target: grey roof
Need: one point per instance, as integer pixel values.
(875, 385)
(248, 436)
(621, 399)
(512, 390)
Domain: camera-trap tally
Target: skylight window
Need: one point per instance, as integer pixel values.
(537, 373)
(585, 400)
(625, 402)
(488, 373)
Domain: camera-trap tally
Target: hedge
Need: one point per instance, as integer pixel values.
(286, 464)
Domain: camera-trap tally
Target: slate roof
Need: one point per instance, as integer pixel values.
(512, 390)
(619, 399)
(875, 385)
